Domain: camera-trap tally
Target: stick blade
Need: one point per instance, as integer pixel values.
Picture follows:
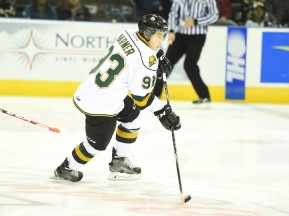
(187, 198)
(56, 130)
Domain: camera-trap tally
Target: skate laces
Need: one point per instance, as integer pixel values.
(128, 163)
(72, 172)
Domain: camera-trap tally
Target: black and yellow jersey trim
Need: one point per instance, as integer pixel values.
(142, 102)
(142, 39)
(89, 114)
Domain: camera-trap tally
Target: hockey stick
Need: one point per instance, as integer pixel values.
(183, 198)
(56, 130)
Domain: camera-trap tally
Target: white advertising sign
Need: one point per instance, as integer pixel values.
(47, 50)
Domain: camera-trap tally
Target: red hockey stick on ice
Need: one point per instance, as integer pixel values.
(56, 130)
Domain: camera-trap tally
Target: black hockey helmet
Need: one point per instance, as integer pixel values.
(151, 23)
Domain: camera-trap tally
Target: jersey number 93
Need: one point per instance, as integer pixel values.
(103, 79)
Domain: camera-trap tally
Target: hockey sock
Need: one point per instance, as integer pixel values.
(124, 140)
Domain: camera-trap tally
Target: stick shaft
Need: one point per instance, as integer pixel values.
(174, 141)
(56, 130)
(177, 162)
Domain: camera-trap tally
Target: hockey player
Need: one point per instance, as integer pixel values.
(118, 89)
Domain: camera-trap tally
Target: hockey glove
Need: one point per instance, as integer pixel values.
(130, 111)
(168, 118)
(164, 65)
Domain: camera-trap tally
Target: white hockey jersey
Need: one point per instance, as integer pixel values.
(129, 67)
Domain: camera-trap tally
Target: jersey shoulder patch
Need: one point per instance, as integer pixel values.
(152, 60)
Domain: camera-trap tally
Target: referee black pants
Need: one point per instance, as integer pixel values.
(191, 46)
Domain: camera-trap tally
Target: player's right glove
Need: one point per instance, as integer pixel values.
(168, 118)
(164, 65)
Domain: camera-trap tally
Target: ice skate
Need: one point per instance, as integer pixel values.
(63, 172)
(122, 169)
(202, 103)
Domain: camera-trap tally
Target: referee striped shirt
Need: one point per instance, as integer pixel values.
(204, 13)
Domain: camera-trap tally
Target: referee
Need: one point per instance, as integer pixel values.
(188, 23)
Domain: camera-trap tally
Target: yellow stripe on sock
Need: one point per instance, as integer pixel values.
(80, 155)
(128, 135)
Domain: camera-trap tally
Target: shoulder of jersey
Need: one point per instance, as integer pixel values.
(141, 51)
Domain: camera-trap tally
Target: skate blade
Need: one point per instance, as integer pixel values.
(203, 106)
(56, 178)
(117, 176)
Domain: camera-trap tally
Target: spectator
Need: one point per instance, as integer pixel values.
(268, 13)
(40, 9)
(279, 9)
(245, 7)
(7, 8)
(165, 8)
(148, 6)
(73, 10)
(258, 17)
(225, 13)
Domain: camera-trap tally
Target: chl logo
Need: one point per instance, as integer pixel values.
(236, 63)
(235, 59)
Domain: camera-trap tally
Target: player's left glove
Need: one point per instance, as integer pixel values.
(164, 65)
(168, 118)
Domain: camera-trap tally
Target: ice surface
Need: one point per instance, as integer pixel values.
(233, 157)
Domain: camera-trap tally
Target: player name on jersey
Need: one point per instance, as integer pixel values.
(125, 45)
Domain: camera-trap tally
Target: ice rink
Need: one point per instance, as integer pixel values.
(233, 157)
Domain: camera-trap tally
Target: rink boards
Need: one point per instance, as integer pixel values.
(46, 58)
